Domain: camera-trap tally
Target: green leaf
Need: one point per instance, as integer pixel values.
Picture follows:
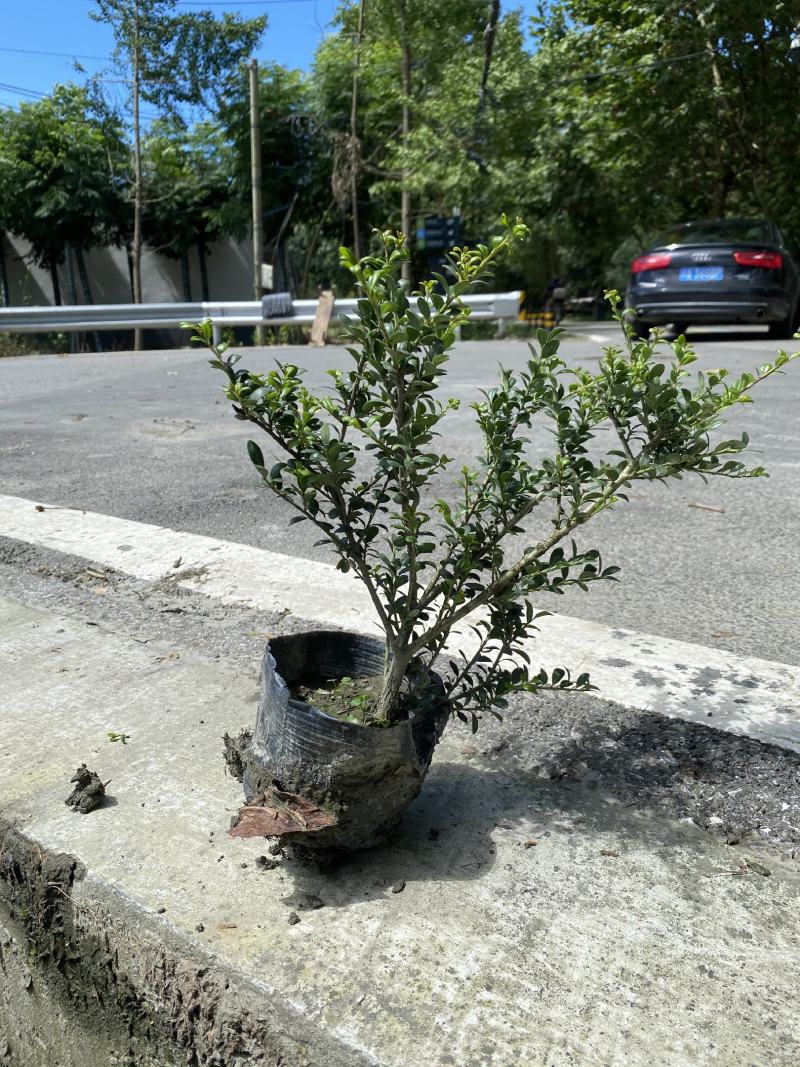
(255, 454)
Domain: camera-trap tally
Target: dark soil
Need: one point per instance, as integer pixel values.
(349, 699)
(89, 792)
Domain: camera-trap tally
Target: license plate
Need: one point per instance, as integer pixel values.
(700, 274)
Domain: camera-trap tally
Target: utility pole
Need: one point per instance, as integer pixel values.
(406, 220)
(255, 186)
(354, 134)
(137, 182)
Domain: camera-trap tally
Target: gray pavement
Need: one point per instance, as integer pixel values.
(540, 903)
(148, 437)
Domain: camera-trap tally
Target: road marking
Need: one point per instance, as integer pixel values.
(744, 694)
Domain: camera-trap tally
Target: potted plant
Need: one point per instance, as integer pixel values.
(346, 725)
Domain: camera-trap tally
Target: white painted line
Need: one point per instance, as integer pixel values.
(744, 694)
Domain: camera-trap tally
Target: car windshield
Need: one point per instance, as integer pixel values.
(718, 232)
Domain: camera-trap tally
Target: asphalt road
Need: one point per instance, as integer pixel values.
(149, 436)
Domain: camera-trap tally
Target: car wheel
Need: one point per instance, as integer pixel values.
(676, 329)
(784, 328)
(641, 330)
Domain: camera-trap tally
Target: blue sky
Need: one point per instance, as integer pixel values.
(63, 26)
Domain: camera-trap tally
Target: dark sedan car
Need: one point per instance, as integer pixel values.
(716, 272)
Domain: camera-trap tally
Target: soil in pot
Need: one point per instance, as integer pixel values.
(314, 758)
(355, 700)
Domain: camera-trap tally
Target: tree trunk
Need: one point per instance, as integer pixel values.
(406, 221)
(201, 256)
(186, 281)
(312, 247)
(72, 294)
(54, 279)
(5, 298)
(720, 200)
(83, 275)
(751, 155)
(488, 36)
(87, 293)
(136, 271)
(69, 262)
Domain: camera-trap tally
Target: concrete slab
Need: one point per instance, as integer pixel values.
(744, 694)
(537, 923)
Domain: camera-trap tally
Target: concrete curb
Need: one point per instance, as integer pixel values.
(746, 695)
(494, 953)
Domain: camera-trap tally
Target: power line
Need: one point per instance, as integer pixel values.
(720, 50)
(22, 92)
(63, 55)
(238, 3)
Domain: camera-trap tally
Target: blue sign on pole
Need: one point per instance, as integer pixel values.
(439, 233)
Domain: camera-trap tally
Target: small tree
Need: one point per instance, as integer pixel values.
(188, 194)
(170, 59)
(60, 186)
(359, 464)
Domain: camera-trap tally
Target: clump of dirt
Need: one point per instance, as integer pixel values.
(235, 751)
(89, 792)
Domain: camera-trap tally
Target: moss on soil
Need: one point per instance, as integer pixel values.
(352, 700)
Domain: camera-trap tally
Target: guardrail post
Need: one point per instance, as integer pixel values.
(216, 332)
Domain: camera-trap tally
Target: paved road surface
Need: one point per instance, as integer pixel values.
(148, 437)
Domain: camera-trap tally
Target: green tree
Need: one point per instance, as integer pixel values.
(651, 112)
(433, 81)
(171, 59)
(62, 166)
(189, 187)
(295, 161)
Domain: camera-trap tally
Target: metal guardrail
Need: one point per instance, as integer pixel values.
(501, 307)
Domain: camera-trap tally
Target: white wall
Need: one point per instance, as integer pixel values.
(228, 264)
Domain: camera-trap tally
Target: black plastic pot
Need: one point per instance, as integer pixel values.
(365, 777)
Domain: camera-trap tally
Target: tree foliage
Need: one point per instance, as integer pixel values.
(600, 121)
(62, 166)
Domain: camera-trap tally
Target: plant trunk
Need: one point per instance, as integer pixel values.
(393, 675)
(5, 298)
(201, 256)
(406, 221)
(186, 281)
(136, 264)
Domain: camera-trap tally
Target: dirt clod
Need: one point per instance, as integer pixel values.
(294, 918)
(398, 887)
(234, 751)
(89, 792)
